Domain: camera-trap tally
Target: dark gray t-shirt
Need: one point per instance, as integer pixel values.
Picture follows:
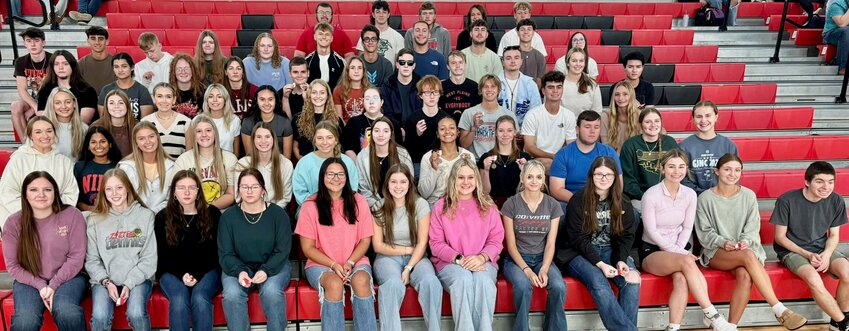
(807, 222)
(602, 217)
(703, 155)
(400, 225)
(378, 71)
(281, 125)
(138, 94)
(531, 228)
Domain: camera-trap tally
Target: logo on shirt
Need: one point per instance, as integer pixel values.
(125, 239)
(372, 76)
(62, 231)
(383, 46)
(434, 63)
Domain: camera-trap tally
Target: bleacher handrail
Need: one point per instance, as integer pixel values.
(44, 20)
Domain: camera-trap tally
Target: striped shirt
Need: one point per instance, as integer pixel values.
(173, 139)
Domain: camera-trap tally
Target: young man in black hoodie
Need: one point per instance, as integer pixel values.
(400, 96)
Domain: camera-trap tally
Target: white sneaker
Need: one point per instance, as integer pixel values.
(718, 323)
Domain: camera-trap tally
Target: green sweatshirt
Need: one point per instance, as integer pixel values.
(720, 219)
(640, 168)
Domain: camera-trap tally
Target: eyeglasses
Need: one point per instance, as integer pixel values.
(371, 99)
(430, 93)
(603, 176)
(250, 188)
(371, 40)
(406, 62)
(335, 175)
(183, 189)
(183, 69)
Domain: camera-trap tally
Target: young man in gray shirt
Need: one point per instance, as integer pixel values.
(807, 232)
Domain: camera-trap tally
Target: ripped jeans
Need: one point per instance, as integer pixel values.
(616, 314)
(333, 312)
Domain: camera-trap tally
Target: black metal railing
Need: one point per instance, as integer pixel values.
(45, 19)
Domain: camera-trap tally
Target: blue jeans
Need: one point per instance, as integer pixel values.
(272, 293)
(67, 312)
(333, 312)
(103, 307)
(840, 37)
(190, 303)
(616, 314)
(555, 319)
(16, 10)
(472, 296)
(89, 6)
(387, 270)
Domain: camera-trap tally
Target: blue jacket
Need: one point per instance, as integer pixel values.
(526, 96)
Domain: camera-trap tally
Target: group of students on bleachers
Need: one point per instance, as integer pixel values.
(426, 173)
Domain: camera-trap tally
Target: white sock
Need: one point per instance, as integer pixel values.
(710, 311)
(673, 326)
(778, 309)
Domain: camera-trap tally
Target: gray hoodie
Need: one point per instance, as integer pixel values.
(368, 191)
(439, 40)
(121, 246)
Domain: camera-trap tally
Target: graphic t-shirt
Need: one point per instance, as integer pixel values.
(352, 106)
(241, 103)
(485, 134)
(210, 179)
(531, 228)
(602, 216)
(89, 175)
(33, 71)
(138, 95)
(703, 155)
(188, 105)
(457, 98)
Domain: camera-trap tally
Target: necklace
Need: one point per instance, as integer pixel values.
(161, 118)
(512, 92)
(382, 158)
(189, 221)
(252, 219)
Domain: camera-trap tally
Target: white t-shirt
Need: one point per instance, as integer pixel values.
(511, 38)
(485, 135)
(551, 131)
(390, 43)
(226, 135)
(577, 102)
(324, 67)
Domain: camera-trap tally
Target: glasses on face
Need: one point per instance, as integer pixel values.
(579, 41)
(406, 62)
(603, 176)
(335, 175)
(371, 99)
(370, 39)
(250, 188)
(430, 93)
(183, 189)
(182, 69)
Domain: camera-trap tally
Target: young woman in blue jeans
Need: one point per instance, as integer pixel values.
(254, 241)
(45, 259)
(531, 219)
(121, 255)
(400, 241)
(599, 232)
(186, 239)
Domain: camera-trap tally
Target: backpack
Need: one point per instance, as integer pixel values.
(709, 16)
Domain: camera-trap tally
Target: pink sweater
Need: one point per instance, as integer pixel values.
(467, 233)
(668, 223)
(62, 239)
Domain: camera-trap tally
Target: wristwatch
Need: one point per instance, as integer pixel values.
(408, 268)
(457, 259)
(105, 282)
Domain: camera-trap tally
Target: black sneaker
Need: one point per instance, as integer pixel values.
(832, 325)
(839, 326)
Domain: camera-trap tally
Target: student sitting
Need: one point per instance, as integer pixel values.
(305, 180)
(213, 165)
(266, 158)
(100, 154)
(148, 167)
(374, 161)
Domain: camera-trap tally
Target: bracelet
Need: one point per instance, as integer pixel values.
(526, 267)
(105, 282)
(351, 263)
(332, 265)
(485, 256)
(408, 267)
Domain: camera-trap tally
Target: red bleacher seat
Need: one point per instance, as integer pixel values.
(354, 22)
(793, 118)
(121, 38)
(294, 21)
(807, 37)
(678, 37)
(553, 37)
(198, 7)
(758, 93)
(5, 155)
(134, 7)
(646, 37)
(226, 7)
(157, 21)
(135, 33)
(610, 73)
(627, 22)
(752, 119)
(191, 22)
(179, 37)
(706, 53)
(612, 8)
(286, 37)
(657, 22)
(752, 149)
(830, 148)
(261, 8)
(167, 7)
(450, 22)
(584, 9)
(774, 22)
(298, 7)
(721, 94)
(776, 184)
(667, 54)
(557, 8)
(409, 8)
(226, 38)
(224, 21)
(500, 8)
(134, 51)
(677, 121)
(727, 72)
(691, 73)
(122, 21)
(355, 8)
(668, 8)
(775, 8)
(640, 8)
(752, 9)
(605, 54)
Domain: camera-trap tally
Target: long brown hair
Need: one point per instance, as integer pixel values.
(614, 196)
(101, 208)
(276, 59)
(129, 118)
(217, 73)
(306, 121)
(632, 113)
(276, 181)
(585, 83)
(197, 83)
(514, 151)
(386, 214)
(373, 160)
(345, 81)
(29, 247)
(174, 209)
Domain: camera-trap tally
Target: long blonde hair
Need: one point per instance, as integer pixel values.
(77, 127)
(306, 120)
(102, 206)
(452, 196)
(137, 156)
(632, 113)
(229, 112)
(217, 73)
(276, 60)
(217, 154)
